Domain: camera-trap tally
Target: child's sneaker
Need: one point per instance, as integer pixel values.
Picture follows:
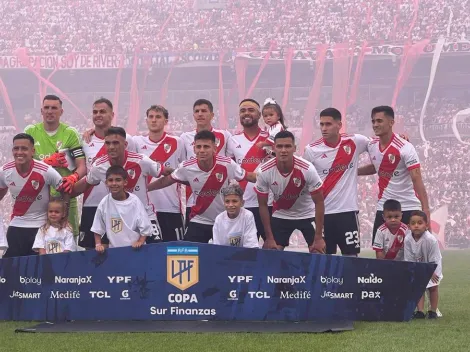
(419, 315)
(432, 315)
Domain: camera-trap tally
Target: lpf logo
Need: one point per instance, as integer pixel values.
(182, 266)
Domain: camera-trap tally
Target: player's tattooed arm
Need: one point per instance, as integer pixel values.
(366, 170)
(81, 167)
(162, 182)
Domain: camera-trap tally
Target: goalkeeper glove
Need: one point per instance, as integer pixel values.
(68, 182)
(56, 160)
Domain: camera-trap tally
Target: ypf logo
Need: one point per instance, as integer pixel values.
(182, 266)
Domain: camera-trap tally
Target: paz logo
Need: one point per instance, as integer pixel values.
(219, 177)
(391, 158)
(182, 266)
(35, 184)
(296, 181)
(167, 147)
(347, 149)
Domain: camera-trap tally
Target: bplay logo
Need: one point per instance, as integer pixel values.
(331, 280)
(30, 280)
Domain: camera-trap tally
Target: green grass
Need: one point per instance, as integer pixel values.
(450, 333)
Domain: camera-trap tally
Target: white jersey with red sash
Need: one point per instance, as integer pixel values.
(207, 186)
(249, 157)
(391, 243)
(393, 165)
(337, 166)
(30, 192)
(292, 191)
(221, 140)
(169, 152)
(94, 150)
(139, 167)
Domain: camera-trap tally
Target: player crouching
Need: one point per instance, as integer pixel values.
(120, 215)
(236, 226)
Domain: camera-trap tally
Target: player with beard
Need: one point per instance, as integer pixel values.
(244, 148)
(103, 116)
(203, 113)
(169, 151)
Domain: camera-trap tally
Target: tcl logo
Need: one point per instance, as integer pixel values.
(99, 294)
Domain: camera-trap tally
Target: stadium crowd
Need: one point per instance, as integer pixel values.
(444, 162)
(173, 25)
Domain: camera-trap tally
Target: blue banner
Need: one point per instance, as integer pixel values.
(189, 281)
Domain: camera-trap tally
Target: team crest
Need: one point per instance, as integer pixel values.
(116, 225)
(131, 173)
(58, 145)
(167, 147)
(35, 184)
(391, 158)
(347, 149)
(217, 142)
(53, 247)
(182, 266)
(400, 239)
(219, 177)
(296, 181)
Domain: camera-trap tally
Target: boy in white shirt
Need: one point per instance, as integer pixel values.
(236, 226)
(423, 247)
(120, 215)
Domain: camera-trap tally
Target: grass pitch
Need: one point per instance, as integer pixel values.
(449, 333)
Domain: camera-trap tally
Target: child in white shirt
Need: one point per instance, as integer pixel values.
(236, 226)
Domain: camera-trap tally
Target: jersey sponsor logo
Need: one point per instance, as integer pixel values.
(12, 184)
(144, 147)
(251, 160)
(196, 180)
(338, 168)
(274, 183)
(411, 162)
(91, 145)
(116, 225)
(239, 146)
(324, 156)
(182, 267)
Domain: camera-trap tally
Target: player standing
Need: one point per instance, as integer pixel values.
(58, 145)
(169, 151)
(296, 187)
(203, 113)
(138, 166)
(29, 182)
(335, 157)
(245, 151)
(207, 174)
(397, 164)
(103, 115)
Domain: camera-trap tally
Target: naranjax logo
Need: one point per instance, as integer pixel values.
(73, 280)
(372, 279)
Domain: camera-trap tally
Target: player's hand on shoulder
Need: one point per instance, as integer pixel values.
(88, 134)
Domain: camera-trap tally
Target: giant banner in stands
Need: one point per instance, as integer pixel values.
(187, 281)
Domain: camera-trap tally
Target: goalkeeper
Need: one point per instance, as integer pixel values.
(58, 145)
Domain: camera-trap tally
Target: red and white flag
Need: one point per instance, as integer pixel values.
(438, 224)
